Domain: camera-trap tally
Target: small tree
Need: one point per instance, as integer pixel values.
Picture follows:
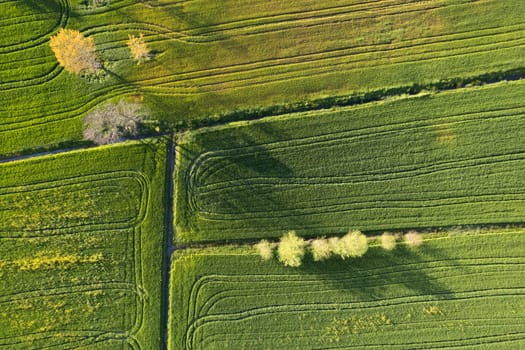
(321, 249)
(388, 241)
(113, 122)
(265, 249)
(291, 249)
(413, 239)
(139, 50)
(354, 244)
(75, 52)
(334, 244)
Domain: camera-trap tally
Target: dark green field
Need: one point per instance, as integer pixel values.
(429, 161)
(81, 241)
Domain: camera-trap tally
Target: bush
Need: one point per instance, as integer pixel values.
(388, 241)
(291, 249)
(75, 52)
(335, 246)
(139, 51)
(265, 249)
(113, 122)
(95, 3)
(321, 249)
(354, 244)
(413, 239)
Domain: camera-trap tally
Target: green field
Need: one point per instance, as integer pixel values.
(219, 56)
(462, 291)
(430, 161)
(81, 242)
(263, 117)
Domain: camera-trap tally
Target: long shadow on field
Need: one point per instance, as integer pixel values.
(387, 276)
(39, 5)
(240, 181)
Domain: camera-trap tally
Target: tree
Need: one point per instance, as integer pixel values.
(321, 249)
(113, 122)
(291, 249)
(413, 239)
(75, 52)
(354, 244)
(333, 242)
(265, 249)
(139, 50)
(388, 241)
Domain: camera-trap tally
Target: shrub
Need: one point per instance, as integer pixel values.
(75, 52)
(139, 51)
(113, 122)
(265, 249)
(413, 239)
(353, 244)
(291, 249)
(388, 241)
(321, 249)
(95, 3)
(335, 246)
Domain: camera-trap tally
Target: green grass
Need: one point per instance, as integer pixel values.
(215, 57)
(81, 242)
(453, 158)
(456, 292)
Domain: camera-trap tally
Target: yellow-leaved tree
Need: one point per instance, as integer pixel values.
(75, 52)
(291, 249)
(139, 50)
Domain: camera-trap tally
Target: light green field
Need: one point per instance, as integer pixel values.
(448, 159)
(455, 292)
(81, 242)
(219, 56)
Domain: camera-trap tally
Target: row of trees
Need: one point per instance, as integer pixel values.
(291, 249)
(77, 53)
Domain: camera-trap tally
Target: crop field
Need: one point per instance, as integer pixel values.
(463, 291)
(237, 123)
(81, 242)
(431, 161)
(215, 57)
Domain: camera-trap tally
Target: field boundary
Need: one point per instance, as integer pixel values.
(169, 247)
(355, 99)
(296, 107)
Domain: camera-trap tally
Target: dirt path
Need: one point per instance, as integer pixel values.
(33, 155)
(168, 247)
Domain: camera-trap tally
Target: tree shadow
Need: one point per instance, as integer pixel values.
(237, 181)
(40, 6)
(409, 271)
